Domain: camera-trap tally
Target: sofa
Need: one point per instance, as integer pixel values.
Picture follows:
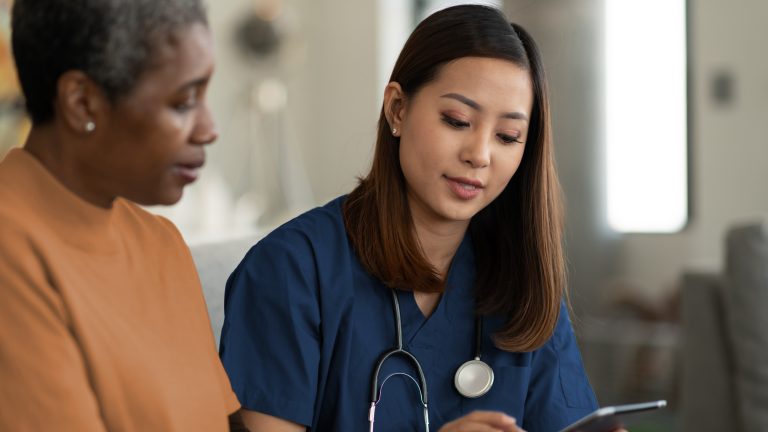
(724, 351)
(215, 262)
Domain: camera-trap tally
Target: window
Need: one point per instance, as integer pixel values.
(646, 115)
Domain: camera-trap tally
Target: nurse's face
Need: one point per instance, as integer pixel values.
(462, 137)
(150, 144)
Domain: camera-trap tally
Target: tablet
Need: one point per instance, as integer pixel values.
(610, 418)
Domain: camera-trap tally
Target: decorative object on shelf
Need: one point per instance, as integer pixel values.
(257, 35)
(14, 124)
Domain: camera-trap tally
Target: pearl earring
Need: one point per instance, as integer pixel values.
(394, 131)
(90, 126)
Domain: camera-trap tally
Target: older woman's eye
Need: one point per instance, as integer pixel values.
(189, 102)
(185, 105)
(450, 121)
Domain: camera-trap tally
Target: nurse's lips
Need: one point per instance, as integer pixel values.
(189, 171)
(464, 188)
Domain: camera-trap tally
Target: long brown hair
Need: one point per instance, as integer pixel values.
(518, 237)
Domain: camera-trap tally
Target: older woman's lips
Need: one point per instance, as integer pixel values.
(189, 172)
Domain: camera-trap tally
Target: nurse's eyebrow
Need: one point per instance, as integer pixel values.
(515, 115)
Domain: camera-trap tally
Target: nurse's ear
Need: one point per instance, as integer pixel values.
(394, 107)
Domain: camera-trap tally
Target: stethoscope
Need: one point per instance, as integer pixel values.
(473, 379)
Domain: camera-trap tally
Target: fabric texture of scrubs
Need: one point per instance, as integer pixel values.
(305, 325)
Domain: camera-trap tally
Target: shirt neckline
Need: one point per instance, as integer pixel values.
(77, 221)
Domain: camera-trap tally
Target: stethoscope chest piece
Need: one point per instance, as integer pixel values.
(473, 379)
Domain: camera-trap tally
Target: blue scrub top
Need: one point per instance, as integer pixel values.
(305, 325)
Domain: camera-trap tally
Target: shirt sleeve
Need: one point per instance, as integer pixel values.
(44, 380)
(270, 341)
(559, 393)
(231, 403)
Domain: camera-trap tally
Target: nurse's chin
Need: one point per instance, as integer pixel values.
(459, 215)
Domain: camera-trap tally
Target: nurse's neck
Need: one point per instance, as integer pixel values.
(439, 239)
(439, 243)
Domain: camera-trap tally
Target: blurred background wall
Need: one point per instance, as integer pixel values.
(728, 147)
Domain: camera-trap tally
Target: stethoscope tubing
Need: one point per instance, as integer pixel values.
(398, 350)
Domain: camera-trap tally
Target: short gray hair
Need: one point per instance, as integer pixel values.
(111, 41)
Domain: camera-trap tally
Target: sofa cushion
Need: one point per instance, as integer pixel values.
(746, 301)
(707, 402)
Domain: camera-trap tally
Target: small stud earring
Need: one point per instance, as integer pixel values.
(90, 126)
(394, 131)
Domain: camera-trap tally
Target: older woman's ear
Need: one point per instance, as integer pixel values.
(79, 102)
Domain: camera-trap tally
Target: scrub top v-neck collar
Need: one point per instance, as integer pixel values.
(426, 332)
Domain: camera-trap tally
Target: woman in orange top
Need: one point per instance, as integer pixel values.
(103, 325)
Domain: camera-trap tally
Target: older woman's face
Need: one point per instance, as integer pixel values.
(151, 142)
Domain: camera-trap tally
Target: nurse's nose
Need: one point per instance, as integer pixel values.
(476, 151)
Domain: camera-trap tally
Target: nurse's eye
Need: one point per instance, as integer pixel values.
(454, 123)
(509, 139)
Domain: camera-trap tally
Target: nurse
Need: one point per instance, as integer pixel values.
(432, 296)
